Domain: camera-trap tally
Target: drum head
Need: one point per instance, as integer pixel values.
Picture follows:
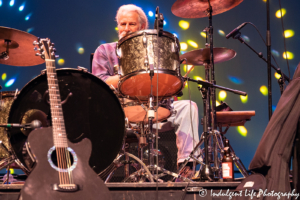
(93, 111)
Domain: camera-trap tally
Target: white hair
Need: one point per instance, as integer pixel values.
(130, 7)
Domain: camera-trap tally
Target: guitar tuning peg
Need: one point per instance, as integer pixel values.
(56, 56)
(52, 44)
(35, 43)
(38, 54)
(54, 49)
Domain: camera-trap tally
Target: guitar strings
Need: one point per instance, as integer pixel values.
(62, 153)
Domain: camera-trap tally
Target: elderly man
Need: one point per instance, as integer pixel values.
(131, 18)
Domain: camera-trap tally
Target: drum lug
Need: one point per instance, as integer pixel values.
(83, 69)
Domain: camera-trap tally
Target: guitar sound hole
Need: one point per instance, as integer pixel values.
(64, 155)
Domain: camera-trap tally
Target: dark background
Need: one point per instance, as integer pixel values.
(71, 24)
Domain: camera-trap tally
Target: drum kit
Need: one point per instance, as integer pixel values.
(149, 67)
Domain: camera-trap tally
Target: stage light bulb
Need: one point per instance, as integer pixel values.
(192, 43)
(184, 24)
(183, 46)
(10, 82)
(288, 55)
(264, 90)
(203, 34)
(242, 131)
(12, 2)
(28, 16)
(222, 33)
(244, 99)
(278, 13)
(277, 76)
(61, 61)
(21, 8)
(289, 33)
(222, 95)
(3, 76)
(80, 50)
(150, 14)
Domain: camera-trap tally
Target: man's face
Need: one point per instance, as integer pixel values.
(128, 23)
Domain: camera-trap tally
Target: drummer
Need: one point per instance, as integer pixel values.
(131, 18)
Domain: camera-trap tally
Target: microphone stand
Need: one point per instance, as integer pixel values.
(260, 55)
(269, 60)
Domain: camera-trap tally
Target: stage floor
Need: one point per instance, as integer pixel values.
(146, 191)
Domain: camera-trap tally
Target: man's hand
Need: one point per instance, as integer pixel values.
(113, 80)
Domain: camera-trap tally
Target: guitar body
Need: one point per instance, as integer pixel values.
(39, 184)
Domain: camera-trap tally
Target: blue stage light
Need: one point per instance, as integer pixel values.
(12, 2)
(28, 16)
(150, 14)
(0, 3)
(235, 80)
(21, 8)
(10, 82)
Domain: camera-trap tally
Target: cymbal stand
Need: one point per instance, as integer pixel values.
(206, 172)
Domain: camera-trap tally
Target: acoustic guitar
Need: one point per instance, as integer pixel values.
(62, 168)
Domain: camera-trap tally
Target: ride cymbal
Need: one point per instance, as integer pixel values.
(198, 8)
(201, 56)
(20, 48)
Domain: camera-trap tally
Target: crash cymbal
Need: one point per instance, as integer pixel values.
(198, 8)
(201, 56)
(20, 48)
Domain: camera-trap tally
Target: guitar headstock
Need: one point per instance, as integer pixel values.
(46, 48)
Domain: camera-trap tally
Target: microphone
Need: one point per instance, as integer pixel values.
(34, 124)
(236, 30)
(156, 17)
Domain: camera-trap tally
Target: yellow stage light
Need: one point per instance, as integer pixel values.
(61, 61)
(242, 130)
(183, 46)
(278, 13)
(289, 55)
(184, 24)
(192, 43)
(222, 95)
(244, 99)
(277, 76)
(264, 90)
(289, 33)
(203, 34)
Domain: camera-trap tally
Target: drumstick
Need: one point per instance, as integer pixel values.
(189, 71)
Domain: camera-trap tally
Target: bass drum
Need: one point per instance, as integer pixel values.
(91, 110)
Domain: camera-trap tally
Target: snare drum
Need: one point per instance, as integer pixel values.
(137, 54)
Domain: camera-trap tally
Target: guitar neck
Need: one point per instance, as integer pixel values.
(58, 123)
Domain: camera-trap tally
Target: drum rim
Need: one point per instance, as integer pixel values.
(161, 71)
(151, 31)
(43, 73)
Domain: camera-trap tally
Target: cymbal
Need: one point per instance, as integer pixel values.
(20, 52)
(201, 56)
(197, 8)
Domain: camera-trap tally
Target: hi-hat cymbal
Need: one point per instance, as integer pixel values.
(201, 56)
(198, 8)
(20, 52)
